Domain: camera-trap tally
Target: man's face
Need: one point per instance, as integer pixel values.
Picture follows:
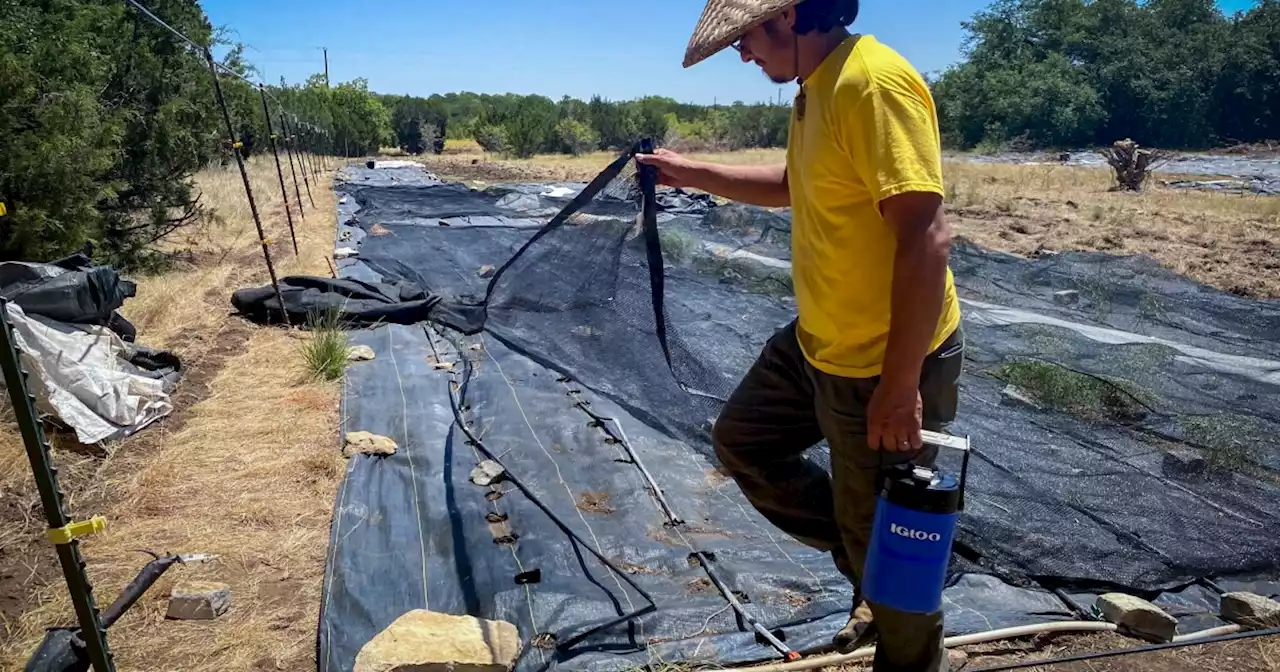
(772, 47)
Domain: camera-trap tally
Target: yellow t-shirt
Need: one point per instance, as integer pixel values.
(869, 131)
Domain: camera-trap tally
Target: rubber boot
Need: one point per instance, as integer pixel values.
(860, 631)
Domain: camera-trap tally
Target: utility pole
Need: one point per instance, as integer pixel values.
(326, 67)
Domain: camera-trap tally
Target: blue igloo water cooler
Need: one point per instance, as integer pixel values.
(915, 524)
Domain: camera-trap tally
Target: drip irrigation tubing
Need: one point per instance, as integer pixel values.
(455, 404)
(620, 436)
(1210, 636)
(1191, 639)
(674, 520)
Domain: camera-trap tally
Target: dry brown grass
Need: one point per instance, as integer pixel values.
(246, 467)
(467, 162)
(1228, 241)
(462, 146)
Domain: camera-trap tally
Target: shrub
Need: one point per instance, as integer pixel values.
(576, 137)
(490, 138)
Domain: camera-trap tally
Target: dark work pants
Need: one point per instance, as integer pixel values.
(783, 407)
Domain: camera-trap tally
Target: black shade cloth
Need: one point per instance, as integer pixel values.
(1124, 420)
(71, 289)
(352, 301)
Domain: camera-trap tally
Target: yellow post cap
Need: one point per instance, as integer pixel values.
(73, 531)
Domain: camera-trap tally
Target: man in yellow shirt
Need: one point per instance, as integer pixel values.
(876, 352)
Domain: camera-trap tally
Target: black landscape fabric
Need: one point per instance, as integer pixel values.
(72, 289)
(1124, 421)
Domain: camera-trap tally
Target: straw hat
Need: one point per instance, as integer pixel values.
(724, 21)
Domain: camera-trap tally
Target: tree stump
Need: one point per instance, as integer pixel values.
(1132, 164)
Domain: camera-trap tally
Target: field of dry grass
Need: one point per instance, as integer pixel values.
(1228, 241)
(246, 468)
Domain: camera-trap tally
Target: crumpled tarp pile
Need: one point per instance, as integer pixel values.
(82, 364)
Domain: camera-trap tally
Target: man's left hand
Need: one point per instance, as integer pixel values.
(894, 418)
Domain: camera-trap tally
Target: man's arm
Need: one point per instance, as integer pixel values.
(757, 185)
(890, 132)
(919, 291)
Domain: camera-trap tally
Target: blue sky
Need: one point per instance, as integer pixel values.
(616, 49)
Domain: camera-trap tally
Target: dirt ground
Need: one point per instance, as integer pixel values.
(245, 468)
(1229, 241)
(1250, 655)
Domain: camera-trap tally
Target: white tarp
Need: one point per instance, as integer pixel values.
(81, 374)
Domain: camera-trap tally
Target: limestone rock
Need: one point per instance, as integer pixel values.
(1182, 461)
(1012, 395)
(1138, 617)
(1067, 297)
(360, 353)
(358, 443)
(487, 473)
(1250, 610)
(426, 641)
(198, 600)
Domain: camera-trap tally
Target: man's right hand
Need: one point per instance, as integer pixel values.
(757, 185)
(673, 170)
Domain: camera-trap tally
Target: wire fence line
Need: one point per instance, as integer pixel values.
(292, 127)
(88, 644)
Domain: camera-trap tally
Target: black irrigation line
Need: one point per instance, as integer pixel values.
(456, 406)
(621, 438)
(1025, 664)
(763, 634)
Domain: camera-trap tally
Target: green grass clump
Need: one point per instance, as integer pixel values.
(325, 354)
(1083, 395)
(748, 274)
(677, 246)
(1229, 441)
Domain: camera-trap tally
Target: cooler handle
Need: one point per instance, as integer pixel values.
(960, 443)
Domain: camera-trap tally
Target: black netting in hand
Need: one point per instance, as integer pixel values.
(580, 297)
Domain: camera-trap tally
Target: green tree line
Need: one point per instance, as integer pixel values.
(527, 125)
(1069, 73)
(105, 118)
